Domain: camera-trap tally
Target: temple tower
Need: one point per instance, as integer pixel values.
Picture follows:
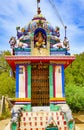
(39, 59)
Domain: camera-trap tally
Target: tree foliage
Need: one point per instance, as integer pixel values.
(74, 82)
(75, 97)
(7, 83)
(75, 72)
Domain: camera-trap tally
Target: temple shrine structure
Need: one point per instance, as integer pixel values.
(38, 61)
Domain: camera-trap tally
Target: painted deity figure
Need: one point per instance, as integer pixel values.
(12, 43)
(57, 31)
(40, 40)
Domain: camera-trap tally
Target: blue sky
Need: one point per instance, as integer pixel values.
(15, 13)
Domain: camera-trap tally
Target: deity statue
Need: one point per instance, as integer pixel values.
(40, 40)
(12, 43)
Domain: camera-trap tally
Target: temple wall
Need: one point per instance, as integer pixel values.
(21, 81)
(56, 83)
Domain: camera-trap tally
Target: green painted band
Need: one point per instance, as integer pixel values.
(51, 80)
(29, 81)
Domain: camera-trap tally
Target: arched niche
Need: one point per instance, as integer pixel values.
(40, 38)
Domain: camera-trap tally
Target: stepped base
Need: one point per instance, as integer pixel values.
(42, 108)
(40, 120)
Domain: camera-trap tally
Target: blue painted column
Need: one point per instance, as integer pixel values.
(17, 81)
(63, 89)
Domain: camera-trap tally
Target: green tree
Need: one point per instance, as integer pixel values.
(74, 83)
(7, 84)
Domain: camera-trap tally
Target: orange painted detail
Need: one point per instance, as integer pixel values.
(22, 99)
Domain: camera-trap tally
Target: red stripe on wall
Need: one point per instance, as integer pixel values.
(54, 81)
(26, 91)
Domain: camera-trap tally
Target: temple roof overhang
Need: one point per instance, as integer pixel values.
(59, 60)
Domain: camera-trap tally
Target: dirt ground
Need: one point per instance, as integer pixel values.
(4, 123)
(78, 119)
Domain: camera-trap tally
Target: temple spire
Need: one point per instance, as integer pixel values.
(38, 8)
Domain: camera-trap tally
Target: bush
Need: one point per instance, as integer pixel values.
(7, 85)
(75, 97)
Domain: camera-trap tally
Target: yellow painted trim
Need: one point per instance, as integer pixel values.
(23, 62)
(22, 99)
(57, 99)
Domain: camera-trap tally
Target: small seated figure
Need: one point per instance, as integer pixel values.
(12, 43)
(57, 33)
(40, 40)
(66, 44)
(21, 32)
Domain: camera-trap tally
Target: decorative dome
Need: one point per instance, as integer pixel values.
(40, 27)
(39, 21)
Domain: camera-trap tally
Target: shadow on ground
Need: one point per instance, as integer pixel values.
(77, 121)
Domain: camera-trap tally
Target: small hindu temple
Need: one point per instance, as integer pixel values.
(38, 61)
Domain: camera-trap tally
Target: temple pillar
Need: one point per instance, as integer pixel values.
(23, 85)
(51, 80)
(58, 87)
(26, 77)
(51, 86)
(22, 82)
(29, 87)
(17, 81)
(29, 81)
(63, 82)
